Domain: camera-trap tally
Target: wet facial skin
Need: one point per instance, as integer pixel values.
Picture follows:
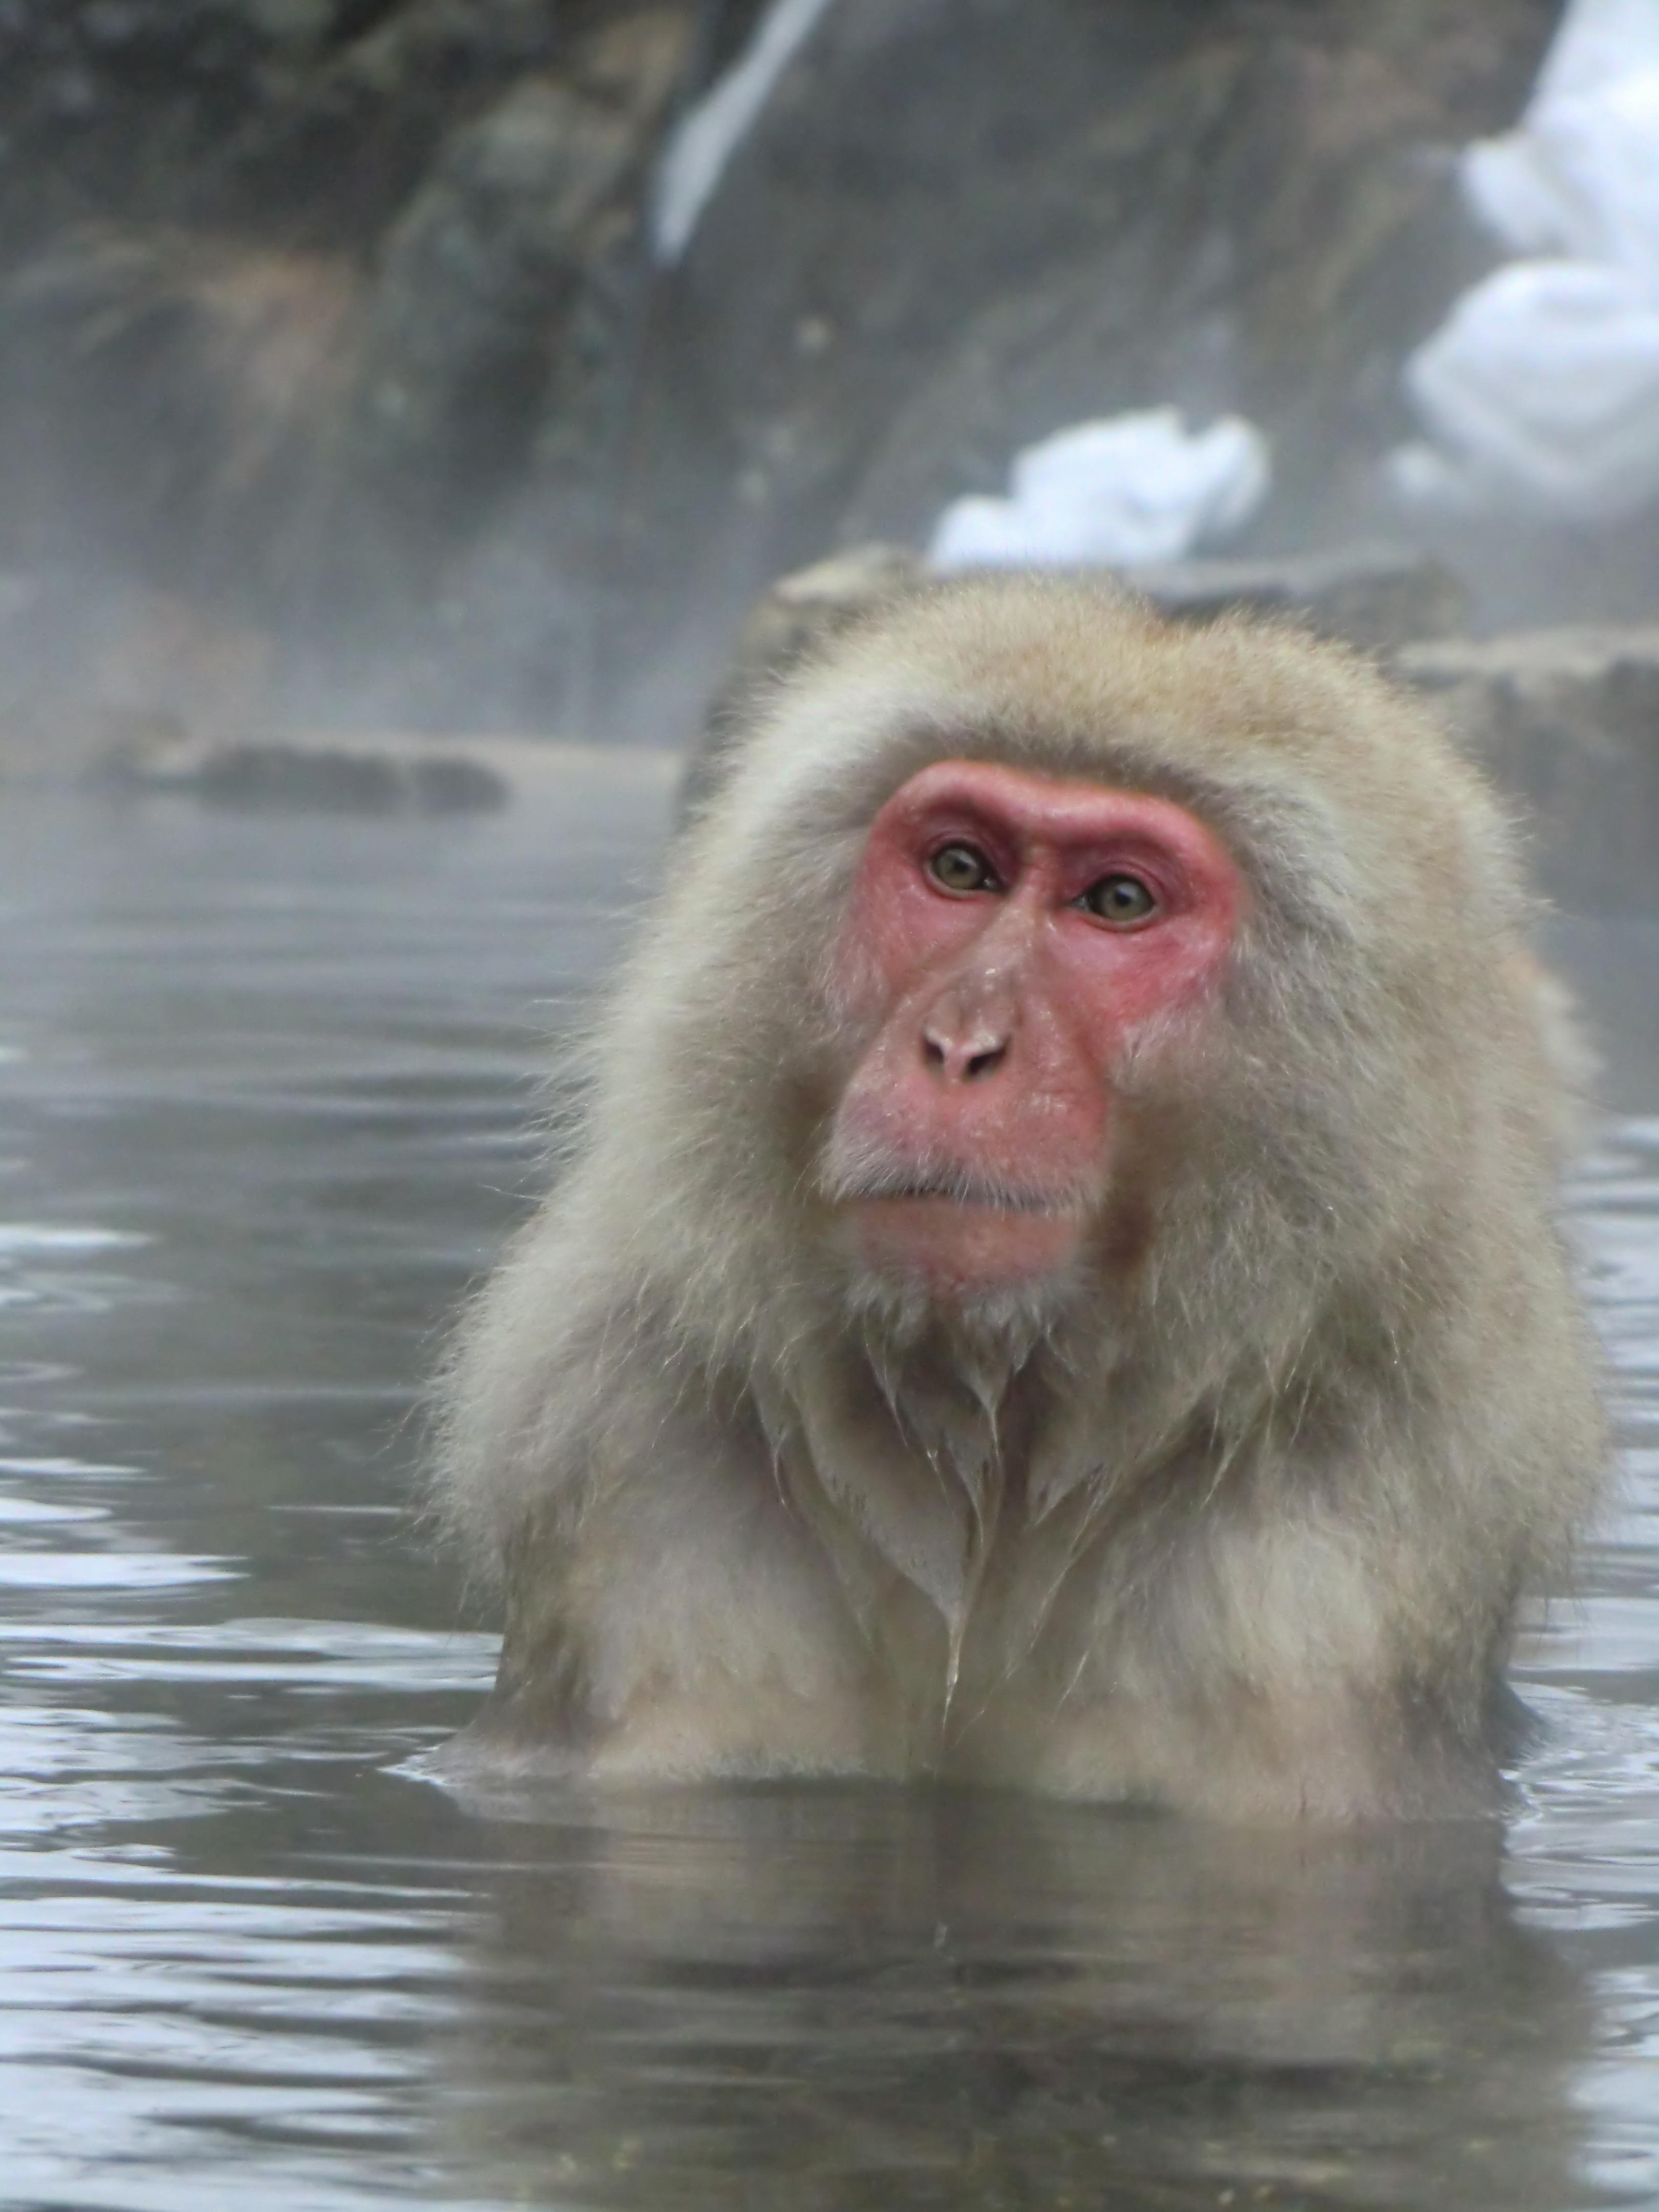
(1010, 936)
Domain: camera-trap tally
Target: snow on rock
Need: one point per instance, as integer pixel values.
(1114, 493)
(1540, 390)
(1542, 387)
(1581, 178)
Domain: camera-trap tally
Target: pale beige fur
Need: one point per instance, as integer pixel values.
(1233, 1517)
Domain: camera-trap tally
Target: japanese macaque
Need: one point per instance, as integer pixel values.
(1060, 1283)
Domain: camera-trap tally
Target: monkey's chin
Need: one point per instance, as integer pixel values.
(958, 1250)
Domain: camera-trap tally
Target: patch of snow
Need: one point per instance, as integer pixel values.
(707, 137)
(1542, 388)
(1114, 493)
(1540, 392)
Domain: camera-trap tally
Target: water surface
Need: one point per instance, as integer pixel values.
(265, 1090)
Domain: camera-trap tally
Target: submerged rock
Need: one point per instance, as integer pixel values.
(349, 775)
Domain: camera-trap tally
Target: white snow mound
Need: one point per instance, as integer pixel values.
(1540, 393)
(1114, 493)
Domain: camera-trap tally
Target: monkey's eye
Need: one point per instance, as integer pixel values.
(1122, 899)
(962, 867)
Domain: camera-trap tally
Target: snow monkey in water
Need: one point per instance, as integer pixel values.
(1060, 1283)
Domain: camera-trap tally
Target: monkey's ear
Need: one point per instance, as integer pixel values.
(800, 613)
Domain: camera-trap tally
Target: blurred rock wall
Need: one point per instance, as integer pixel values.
(336, 322)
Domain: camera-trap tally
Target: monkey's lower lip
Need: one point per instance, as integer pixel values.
(980, 1201)
(977, 1193)
(955, 1246)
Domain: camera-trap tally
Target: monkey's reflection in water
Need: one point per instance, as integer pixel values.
(828, 1997)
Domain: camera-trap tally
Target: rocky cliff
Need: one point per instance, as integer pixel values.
(335, 341)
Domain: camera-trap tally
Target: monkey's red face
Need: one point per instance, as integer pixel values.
(1010, 936)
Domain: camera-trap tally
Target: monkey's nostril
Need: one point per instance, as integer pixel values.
(958, 1059)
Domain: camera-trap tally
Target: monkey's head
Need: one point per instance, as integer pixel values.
(1039, 950)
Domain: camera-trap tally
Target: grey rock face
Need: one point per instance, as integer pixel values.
(1374, 597)
(1569, 721)
(783, 626)
(478, 277)
(957, 225)
(958, 228)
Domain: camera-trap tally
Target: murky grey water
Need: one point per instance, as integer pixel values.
(262, 1093)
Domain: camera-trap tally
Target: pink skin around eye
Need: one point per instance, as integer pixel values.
(974, 1132)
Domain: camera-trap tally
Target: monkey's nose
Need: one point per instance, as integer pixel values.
(963, 1055)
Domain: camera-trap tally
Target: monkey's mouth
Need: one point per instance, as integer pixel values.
(953, 1231)
(961, 1187)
